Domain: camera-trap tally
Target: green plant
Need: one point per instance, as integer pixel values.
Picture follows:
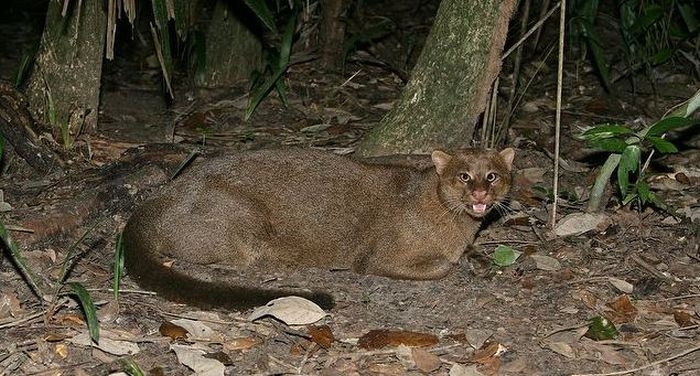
(276, 65)
(652, 33)
(77, 289)
(627, 148)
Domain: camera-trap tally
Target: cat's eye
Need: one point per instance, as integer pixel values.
(491, 177)
(464, 177)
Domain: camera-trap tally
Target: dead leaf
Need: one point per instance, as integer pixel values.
(683, 318)
(376, 339)
(624, 310)
(243, 343)
(197, 329)
(546, 263)
(477, 337)
(489, 350)
(426, 362)
(322, 335)
(193, 357)
(386, 369)
(579, 223)
(561, 348)
(9, 304)
(621, 285)
(175, 332)
(291, 310)
(460, 370)
(110, 346)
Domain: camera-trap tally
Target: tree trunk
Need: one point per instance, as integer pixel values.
(233, 51)
(333, 33)
(64, 87)
(450, 83)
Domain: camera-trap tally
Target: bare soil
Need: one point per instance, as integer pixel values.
(639, 270)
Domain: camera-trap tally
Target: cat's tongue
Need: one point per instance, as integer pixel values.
(479, 208)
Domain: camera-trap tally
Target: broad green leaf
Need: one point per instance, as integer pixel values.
(89, 309)
(651, 14)
(601, 329)
(629, 162)
(597, 52)
(668, 124)
(647, 196)
(263, 12)
(662, 145)
(662, 56)
(505, 256)
(686, 11)
(118, 268)
(688, 107)
(606, 131)
(614, 145)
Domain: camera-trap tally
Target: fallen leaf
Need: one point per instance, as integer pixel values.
(601, 329)
(114, 347)
(579, 223)
(193, 357)
(322, 335)
(561, 348)
(291, 310)
(376, 339)
(61, 350)
(546, 263)
(425, 362)
(460, 370)
(477, 337)
(487, 351)
(621, 285)
(386, 369)
(683, 318)
(243, 343)
(505, 256)
(197, 329)
(9, 304)
(175, 332)
(623, 309)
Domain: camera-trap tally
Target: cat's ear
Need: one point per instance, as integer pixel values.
(440, 160)
(508, 155)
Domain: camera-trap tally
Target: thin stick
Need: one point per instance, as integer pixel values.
(557, 121)
(532, 30)
(652, 364)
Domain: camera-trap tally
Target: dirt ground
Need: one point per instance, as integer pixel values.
(639, 269)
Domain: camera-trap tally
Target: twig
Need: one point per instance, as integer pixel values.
(532, 30)
(557, 121)
(21, 321)
(680, 297)
(652, 364)
(511, 241)
(652, 270)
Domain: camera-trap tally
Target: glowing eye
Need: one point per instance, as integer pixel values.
(491, 177)
(464, 177)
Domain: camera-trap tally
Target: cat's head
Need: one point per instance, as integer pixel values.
(473, 180)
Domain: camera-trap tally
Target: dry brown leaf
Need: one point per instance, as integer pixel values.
(487, 352)
(9, 304)
(376, 339)
(54, 337)
(322, 335)
(175, 332)
(386, 369)
(562, 348)
(586, 297)
(623, 310)
(243, 343)
(426, 362)
(683, 318)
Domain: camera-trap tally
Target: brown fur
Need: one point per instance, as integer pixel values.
(277, 209)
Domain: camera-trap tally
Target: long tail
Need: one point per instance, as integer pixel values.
(179, 287)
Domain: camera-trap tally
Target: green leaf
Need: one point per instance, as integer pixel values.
(505, 256)
(662, 56)
(597, 49)
(686, 11)
(606, 131)
(118, 266)
(601, 329)
(667, 124)
(662, 145)
(614, 145)
(629, 162)
(651, 15)
(647, 196)
(21, 263)
(130, 367)
(88, 308)
(263, 12)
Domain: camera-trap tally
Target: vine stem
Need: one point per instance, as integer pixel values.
(557, 121)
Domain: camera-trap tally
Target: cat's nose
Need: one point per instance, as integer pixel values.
(479, 195)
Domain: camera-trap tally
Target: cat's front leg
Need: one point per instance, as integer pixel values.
(417, 268)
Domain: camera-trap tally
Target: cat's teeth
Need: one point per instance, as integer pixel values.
(479, 208)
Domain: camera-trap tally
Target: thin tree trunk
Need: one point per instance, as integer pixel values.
(64, 87)
(450, 84)
(333, 33)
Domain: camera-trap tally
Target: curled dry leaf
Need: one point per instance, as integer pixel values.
(243, 343)
(546, 263)
(197, 329)
(623, 309)
(175, 332)
(291, 310)
(425, 362)
(114, 347)
(194, 358)
(376, 339)
(579, 223)
(322, 335)
(561, 348)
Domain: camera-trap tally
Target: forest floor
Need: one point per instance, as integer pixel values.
(640, 268)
